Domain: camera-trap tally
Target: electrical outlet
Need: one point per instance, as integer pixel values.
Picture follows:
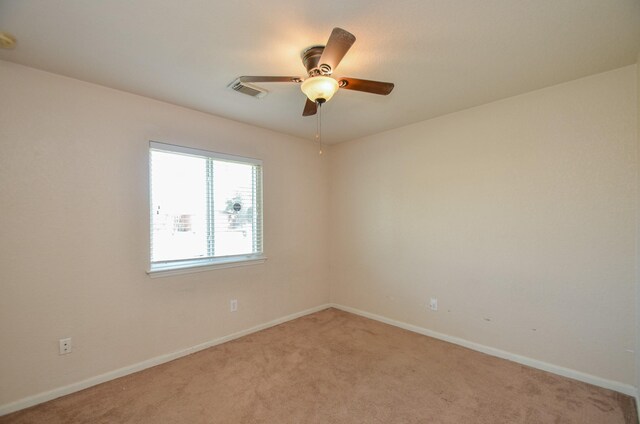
(433, 304)
(233, 305)
(65, 346)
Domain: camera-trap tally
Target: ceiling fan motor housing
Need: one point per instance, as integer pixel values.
(311, 58)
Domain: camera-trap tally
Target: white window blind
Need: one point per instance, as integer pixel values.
(206, 208)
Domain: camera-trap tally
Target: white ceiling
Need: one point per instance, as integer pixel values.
(443, 55)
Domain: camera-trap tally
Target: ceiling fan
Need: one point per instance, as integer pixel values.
(321, 62)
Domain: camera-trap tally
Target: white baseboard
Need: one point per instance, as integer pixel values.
(555, 369)
(534, 363)
(121, 372)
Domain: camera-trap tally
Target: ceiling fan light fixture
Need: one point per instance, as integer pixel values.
(319, 88)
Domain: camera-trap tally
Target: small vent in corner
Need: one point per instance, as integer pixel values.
(248, 89)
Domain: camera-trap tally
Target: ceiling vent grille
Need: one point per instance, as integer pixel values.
(248, 89)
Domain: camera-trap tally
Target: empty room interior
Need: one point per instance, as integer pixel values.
(319, 212)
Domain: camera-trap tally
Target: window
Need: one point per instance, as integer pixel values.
(206, 209)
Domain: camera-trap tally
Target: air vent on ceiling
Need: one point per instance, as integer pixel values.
(248, 89)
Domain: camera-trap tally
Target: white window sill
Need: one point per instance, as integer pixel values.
(188, 267)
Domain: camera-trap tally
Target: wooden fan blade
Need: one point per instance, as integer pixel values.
(340, 41)
(375, 87)
(310, 108)
(269, 79)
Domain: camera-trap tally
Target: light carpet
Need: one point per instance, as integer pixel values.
(336, 367)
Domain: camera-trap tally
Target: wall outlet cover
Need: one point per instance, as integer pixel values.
(64, 346)
(433, 304)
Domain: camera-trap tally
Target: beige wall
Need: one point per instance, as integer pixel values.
(638, 237)
(74, 232)
(519, 216)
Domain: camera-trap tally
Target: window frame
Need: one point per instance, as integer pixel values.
(184, 266)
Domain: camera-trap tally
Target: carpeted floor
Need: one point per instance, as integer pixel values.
(335, 367)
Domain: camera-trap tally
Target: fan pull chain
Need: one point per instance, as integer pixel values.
(319, 128)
